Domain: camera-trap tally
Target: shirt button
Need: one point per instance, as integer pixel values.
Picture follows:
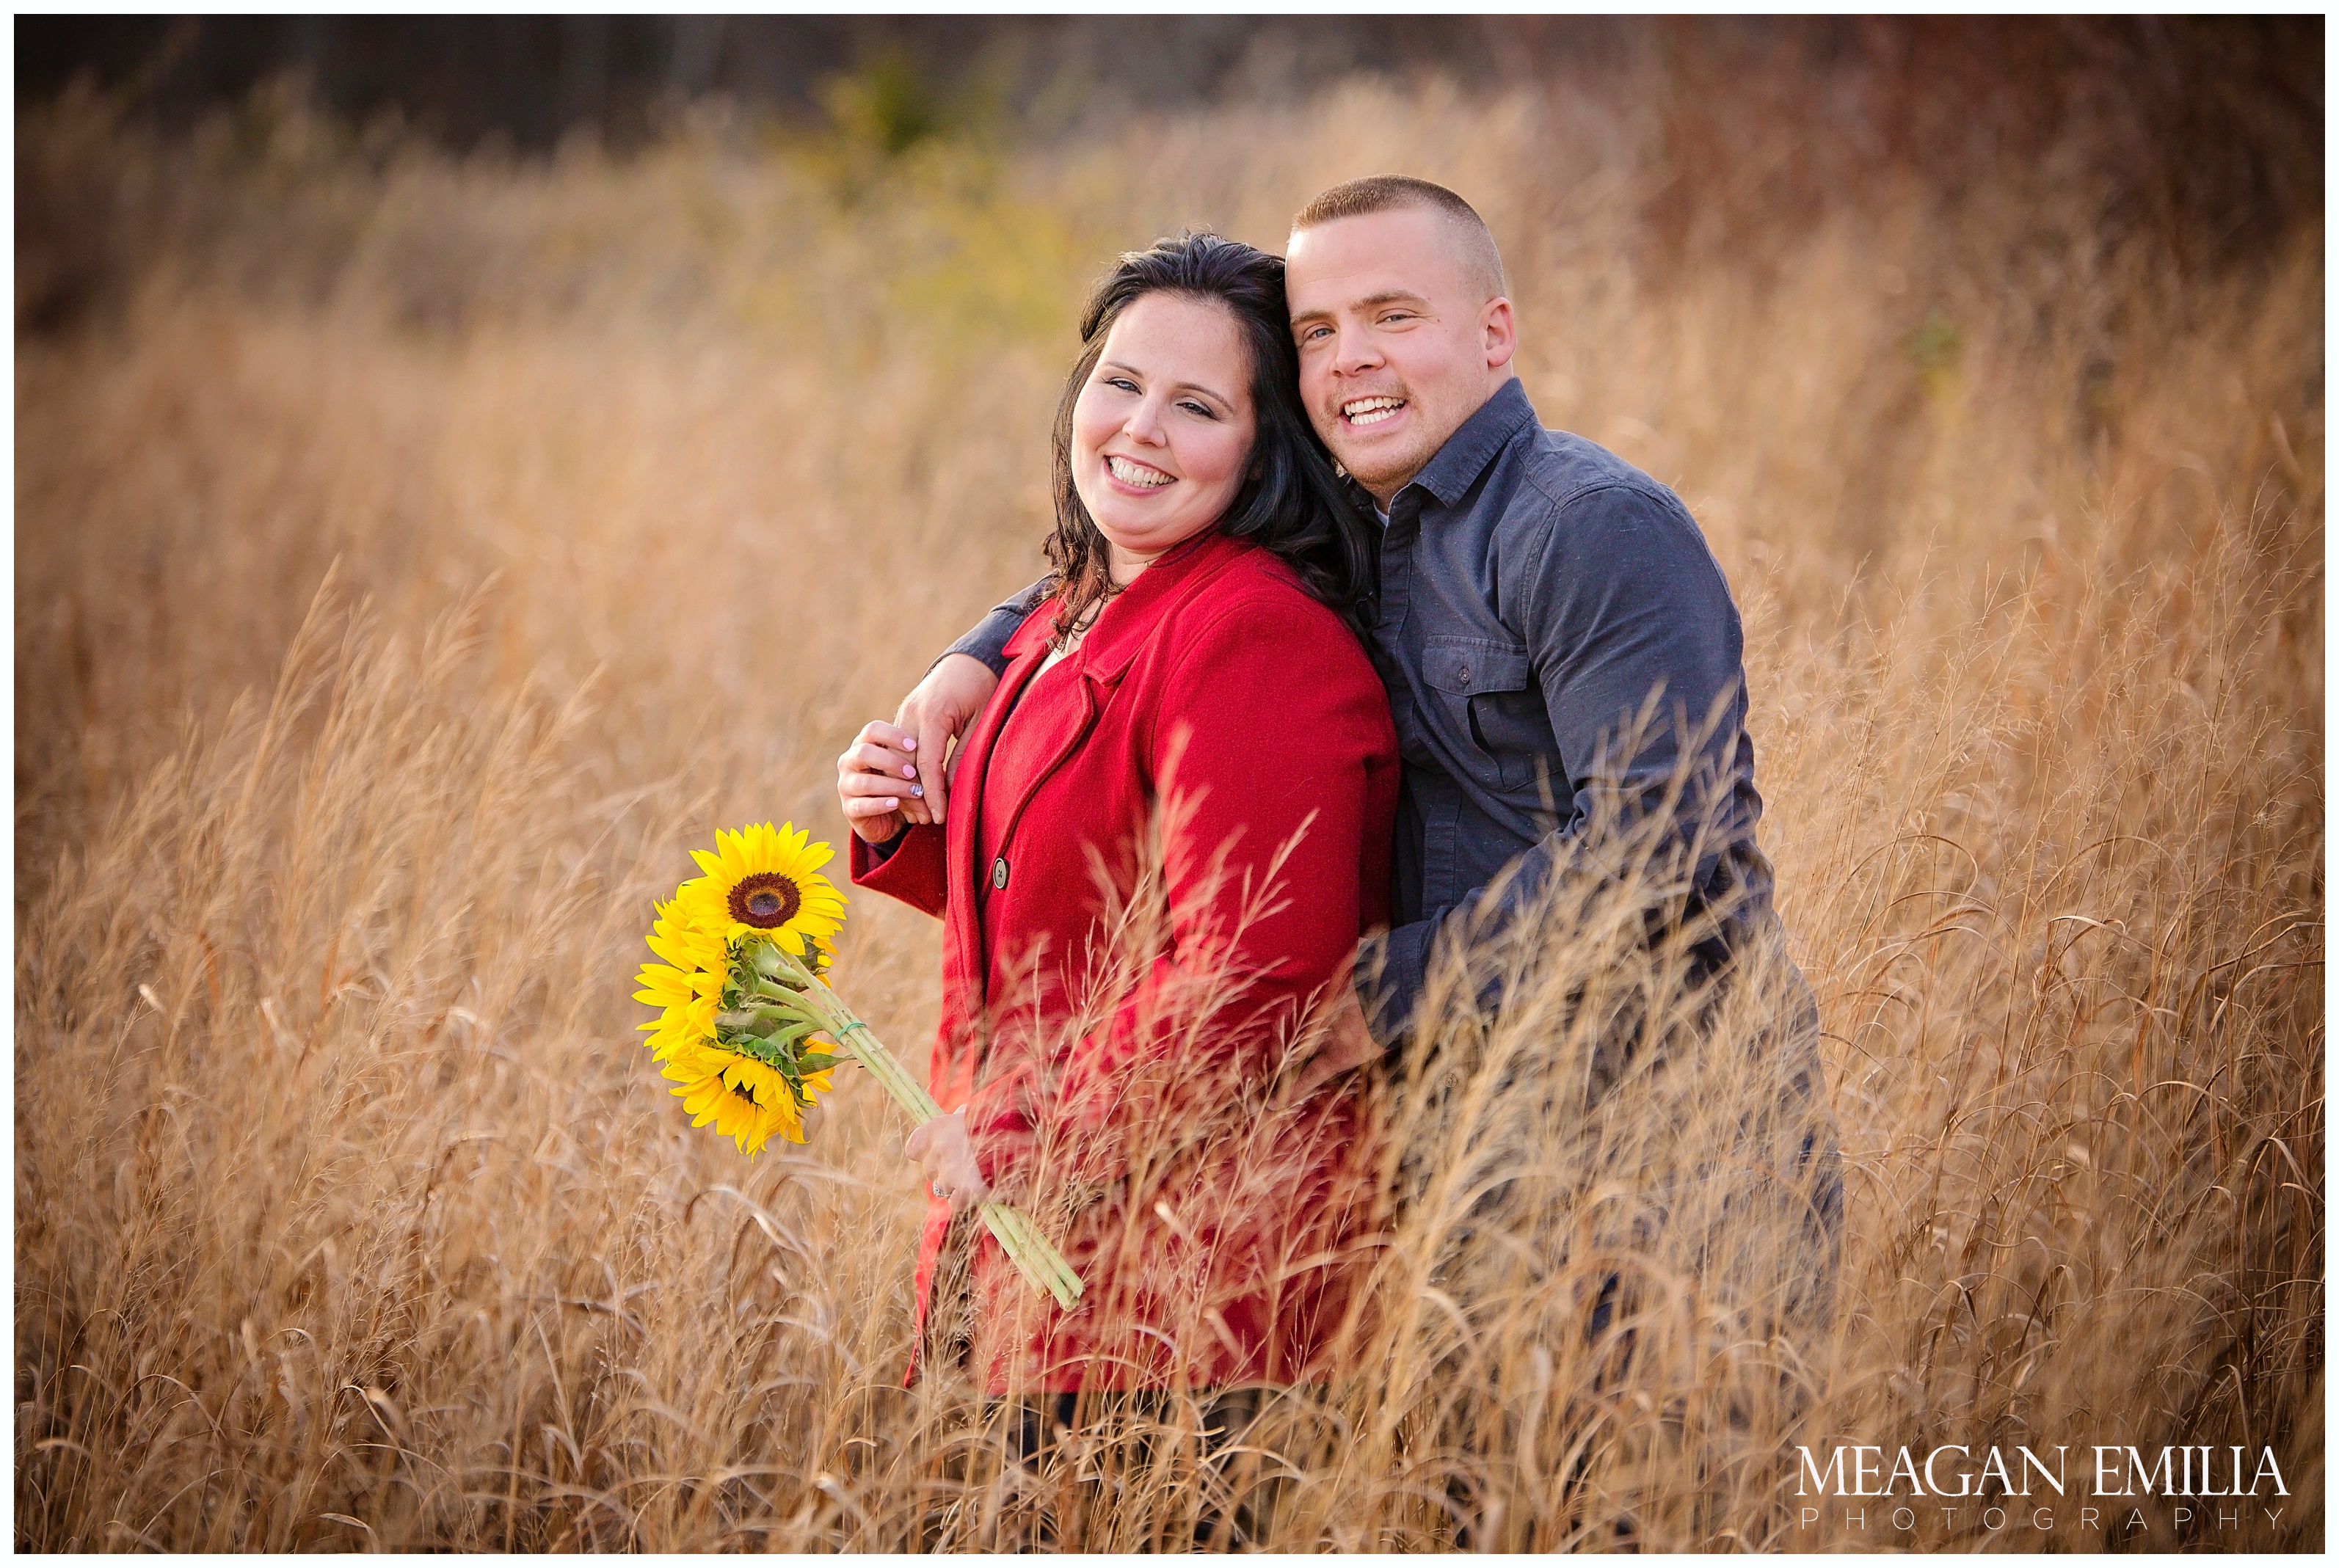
(999, 872)
(1465, 674)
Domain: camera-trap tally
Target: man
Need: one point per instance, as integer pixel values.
(1539, 600)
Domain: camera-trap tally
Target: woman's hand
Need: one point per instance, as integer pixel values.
(938, 711)
(942, 1150)
(877, 781)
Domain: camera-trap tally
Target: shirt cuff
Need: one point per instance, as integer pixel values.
(988, 640)
(877, 854)
(1389, 971)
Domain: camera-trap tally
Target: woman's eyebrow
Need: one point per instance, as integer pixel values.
(1210, 392)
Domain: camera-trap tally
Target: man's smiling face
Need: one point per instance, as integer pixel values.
(1399, 339)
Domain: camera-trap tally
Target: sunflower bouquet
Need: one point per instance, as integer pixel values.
(749, 1027)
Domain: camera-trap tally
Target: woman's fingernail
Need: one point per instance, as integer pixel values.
(911, 744)
(908, 772)
(917, 789)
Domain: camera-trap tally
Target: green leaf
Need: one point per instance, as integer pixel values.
(760, 1050)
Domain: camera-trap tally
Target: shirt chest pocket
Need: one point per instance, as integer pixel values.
(1490, 699)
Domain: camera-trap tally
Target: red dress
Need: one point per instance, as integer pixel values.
(1133, 1104)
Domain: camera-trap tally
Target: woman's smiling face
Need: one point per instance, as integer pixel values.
(1162, 428)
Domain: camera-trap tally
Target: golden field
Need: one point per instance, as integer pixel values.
(416, 555)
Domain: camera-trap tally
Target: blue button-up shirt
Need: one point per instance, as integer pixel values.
(1540, 601)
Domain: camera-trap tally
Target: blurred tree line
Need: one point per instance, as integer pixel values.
(2203, 135)
(530, 80)
(534, 79)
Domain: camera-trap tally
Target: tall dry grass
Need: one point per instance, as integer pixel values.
(415, 554)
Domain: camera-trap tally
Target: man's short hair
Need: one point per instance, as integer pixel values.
(1474, 241)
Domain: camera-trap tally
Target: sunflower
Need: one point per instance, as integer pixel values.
(746, 1100)
(764, 881)
(686, 942)
(687, 988)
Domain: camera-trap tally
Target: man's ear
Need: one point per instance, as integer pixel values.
(1501, 330)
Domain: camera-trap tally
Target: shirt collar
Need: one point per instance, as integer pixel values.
(1469, 451)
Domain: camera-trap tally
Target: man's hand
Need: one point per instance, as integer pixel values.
(942, 1150)
(937, 713)
(1347, 1044)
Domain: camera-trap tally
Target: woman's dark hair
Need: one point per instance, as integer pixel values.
(1290, 500)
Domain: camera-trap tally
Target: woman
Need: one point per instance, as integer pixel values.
(1172, 823)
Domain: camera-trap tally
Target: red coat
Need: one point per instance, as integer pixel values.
(1211, 1218)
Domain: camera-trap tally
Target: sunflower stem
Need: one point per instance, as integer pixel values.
(1020, 1239)
(1031, 1253)
(1011, 1242)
